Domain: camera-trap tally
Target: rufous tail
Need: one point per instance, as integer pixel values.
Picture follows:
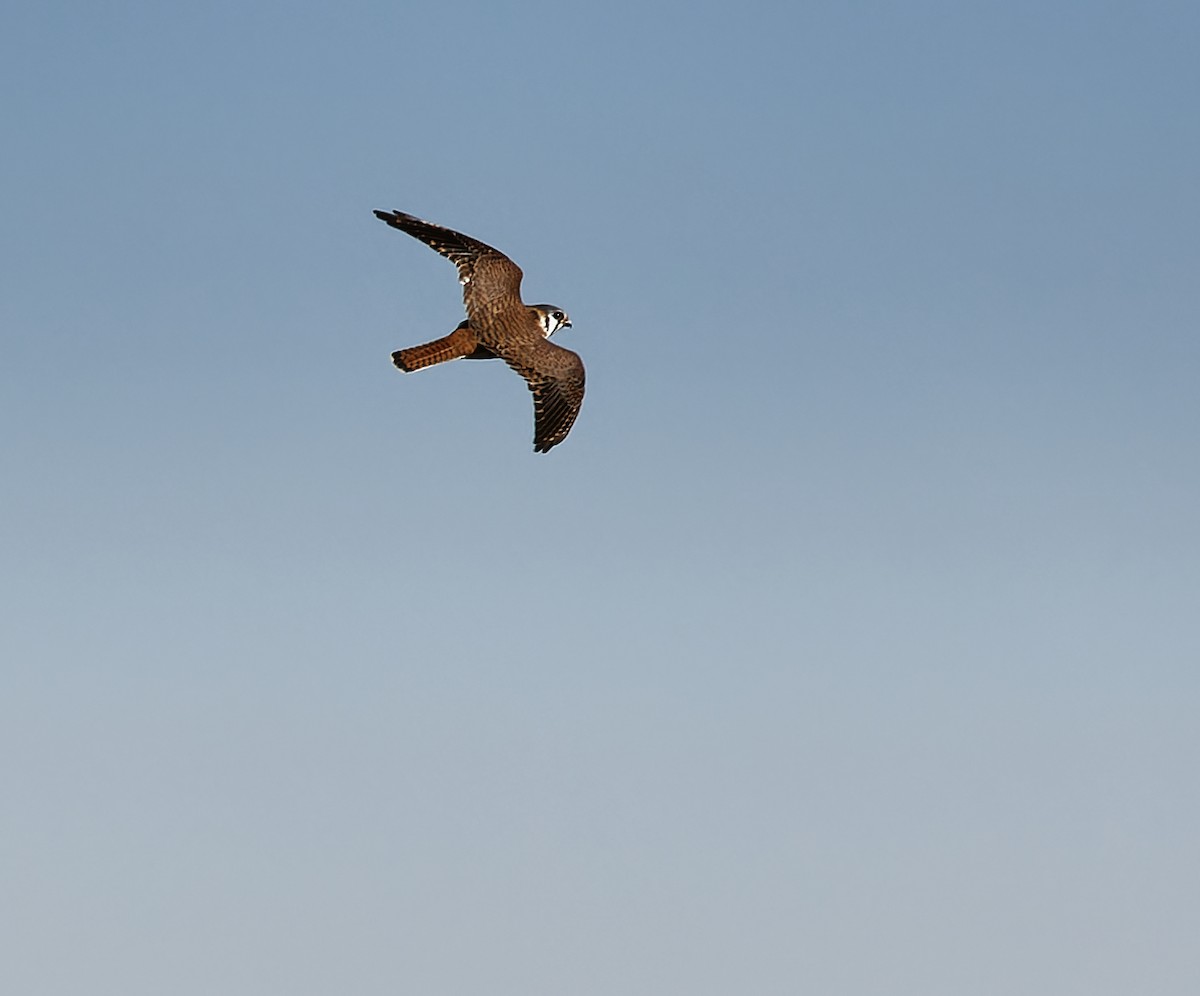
(459, 343)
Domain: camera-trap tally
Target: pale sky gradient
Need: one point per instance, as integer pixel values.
(850, 644)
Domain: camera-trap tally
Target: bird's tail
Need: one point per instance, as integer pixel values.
(461, 342)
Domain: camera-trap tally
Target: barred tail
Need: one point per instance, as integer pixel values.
(461, 342)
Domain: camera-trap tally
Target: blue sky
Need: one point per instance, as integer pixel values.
(849, 643)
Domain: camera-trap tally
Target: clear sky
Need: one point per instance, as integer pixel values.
(849, 645)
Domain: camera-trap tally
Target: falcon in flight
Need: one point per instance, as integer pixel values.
(500, 325)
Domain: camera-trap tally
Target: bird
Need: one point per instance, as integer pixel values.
(500, 324)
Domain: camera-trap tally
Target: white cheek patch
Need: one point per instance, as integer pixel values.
(547, 322)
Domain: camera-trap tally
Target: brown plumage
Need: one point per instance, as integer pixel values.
(500, 323)
(462, 342)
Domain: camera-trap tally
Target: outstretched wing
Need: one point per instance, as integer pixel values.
(491, 281)
(555, 376)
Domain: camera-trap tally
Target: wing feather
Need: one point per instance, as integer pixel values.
(556, 378)
(491, 281)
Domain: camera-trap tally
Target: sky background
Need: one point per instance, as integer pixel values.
(849, 643)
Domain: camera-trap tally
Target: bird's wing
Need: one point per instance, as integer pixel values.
(555, 376)
(491, 281)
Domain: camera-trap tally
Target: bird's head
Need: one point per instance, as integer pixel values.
(551, 318)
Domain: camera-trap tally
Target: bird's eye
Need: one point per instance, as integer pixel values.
(557, 316)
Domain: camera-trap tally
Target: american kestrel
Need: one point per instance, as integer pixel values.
(500, 324)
